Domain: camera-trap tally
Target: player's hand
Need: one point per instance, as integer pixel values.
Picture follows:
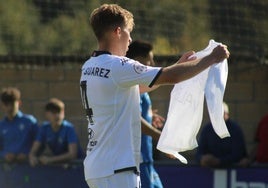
(158, 120)
(170, 156)
(220, 53)
(187, 57)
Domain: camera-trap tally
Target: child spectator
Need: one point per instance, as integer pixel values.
(57, 136)
(17, 130)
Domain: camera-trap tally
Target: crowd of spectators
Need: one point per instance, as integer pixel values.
(24, 139)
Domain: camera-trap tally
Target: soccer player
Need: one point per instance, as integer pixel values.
(17, 130)
(142, 51)
(110, 95)
(57, 136)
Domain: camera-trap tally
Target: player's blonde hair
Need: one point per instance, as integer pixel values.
(108, 17)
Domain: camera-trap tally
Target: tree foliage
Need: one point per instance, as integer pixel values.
(61, 27)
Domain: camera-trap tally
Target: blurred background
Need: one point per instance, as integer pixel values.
(43, 44)
(60, 27)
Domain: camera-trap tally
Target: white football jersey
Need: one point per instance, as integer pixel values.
(110, 95)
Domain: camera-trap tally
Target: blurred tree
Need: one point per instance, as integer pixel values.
(67, 36)
(241, 25)
(61, 27)
(19, 23)
(67, 31)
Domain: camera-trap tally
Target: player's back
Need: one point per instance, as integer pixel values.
(113, 115)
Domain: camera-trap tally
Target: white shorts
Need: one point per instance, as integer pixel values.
(127, 179)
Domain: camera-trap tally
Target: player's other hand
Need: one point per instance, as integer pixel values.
(220, 53)
(187, 57)
(157, 120)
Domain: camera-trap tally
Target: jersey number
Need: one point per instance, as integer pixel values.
(89, 112)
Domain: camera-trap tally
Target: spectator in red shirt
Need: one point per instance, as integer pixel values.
(262, 141)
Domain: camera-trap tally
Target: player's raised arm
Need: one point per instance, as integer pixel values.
(188, 56)
(183, 71)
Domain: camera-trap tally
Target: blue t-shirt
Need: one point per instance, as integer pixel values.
(146, 141)
(17, 135)
(58, 141)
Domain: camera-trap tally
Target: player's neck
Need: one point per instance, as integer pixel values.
(109, 46)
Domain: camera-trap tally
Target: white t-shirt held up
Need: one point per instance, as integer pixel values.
(185, 112)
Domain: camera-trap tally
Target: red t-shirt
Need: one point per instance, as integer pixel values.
(262, 139)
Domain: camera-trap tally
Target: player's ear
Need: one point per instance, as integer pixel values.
(117, 30)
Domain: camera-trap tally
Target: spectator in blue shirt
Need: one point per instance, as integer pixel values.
(17, 130)
(216, 152)
(56, 138)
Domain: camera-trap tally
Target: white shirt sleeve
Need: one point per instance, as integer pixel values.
(130, 72)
